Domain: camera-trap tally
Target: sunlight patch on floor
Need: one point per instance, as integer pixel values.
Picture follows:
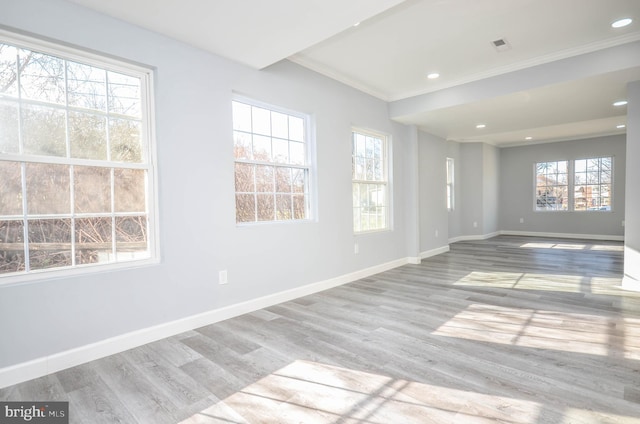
(312, 392)
(553, 330)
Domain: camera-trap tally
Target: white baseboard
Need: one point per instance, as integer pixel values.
(53, 363)
(563, 235)
(434, 252)
(474, 237)
(630, 283)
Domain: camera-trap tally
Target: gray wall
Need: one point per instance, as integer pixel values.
(197, 212)
(517, 188)
(490, 188)
(433, 192)
(455, 216)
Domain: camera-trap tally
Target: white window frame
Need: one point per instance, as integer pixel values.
(147, 136)
(308, 167)
(571, 185)
(384, 181)
(450, 184)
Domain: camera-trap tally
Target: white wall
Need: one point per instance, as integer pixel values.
(517, 188)
(455, 216)
(433, 192)
(197, 218)
(632, 221)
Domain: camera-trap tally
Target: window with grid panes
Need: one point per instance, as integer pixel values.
(272, 165)
(77, 186)
(370, 181)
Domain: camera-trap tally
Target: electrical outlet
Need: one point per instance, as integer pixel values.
(475, 224)
(436, 233)
(222, 277)
(522, 220)
(356, 248)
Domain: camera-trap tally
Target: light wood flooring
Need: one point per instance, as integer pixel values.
(510, 330)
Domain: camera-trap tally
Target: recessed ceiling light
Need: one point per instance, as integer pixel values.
(620, 103)
(528, 138)
(621, 126)
(433, 75)
(356, 24)
(480, 126)
(621, 23)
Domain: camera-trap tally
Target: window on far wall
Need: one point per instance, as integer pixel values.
(450, 186)
(370, 164)
(552, 186)
(76, 172)
(574, 185)
(272, 166)
(592, 184)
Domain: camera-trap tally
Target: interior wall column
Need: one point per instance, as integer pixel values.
(631, 279)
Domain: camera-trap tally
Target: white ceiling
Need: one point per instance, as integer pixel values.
(564, 68)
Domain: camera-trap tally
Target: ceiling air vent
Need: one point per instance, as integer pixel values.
(501, 44)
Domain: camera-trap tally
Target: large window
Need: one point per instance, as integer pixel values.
(552, 186)
(450, 182)
(370, 181)
(592, 184)
(76, 176)
(272, 165)
(574, 185)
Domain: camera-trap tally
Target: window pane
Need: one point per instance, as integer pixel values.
(245, 208)
(283, 180)
(131, 237)
(297, 153)
(48, 189)
(241, 117)
(12, 250)
(245, 175)
(261, 120)
(262, 148)
(92, 189)
(266, 207)
(43, 131)
(8, 127)
(124, 94)
(298, 178)
(280, 150)
(49, 243)
(94, 240)
(299, 207)
(129, 190)
(280, 125)
(86, 86)
(242, 145)
(88, 136)
(283, 207)
(11, 188)
(264, 178)
(125, 141)
(8, 70)
(42, 77)
(296, 128)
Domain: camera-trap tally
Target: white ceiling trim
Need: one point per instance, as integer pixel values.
(329, 72)
(540, 60)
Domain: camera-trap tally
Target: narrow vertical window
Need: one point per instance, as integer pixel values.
(370, 164)
(552, 186)
(592, 184)
(272, 166)
(450, 184)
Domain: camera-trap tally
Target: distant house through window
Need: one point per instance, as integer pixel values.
(574, 185)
